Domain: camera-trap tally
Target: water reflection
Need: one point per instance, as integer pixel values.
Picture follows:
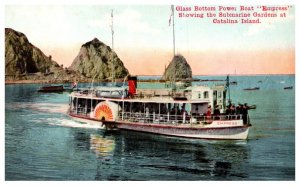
(81, 140)
(101, 143)
(221, 169)
(102, 146)
(143, 156)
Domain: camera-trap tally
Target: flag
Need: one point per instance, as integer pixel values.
(172, 14)
(227, 81)
(74, 84)
(112, 20)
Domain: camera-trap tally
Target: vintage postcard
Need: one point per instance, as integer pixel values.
(150, 92)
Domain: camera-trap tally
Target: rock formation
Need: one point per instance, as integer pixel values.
(24, 61)
(21, 57)
(178, 69)
(97, 60)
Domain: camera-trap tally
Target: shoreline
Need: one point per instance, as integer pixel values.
(151, 80)
(9, 82)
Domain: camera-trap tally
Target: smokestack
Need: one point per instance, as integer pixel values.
(132, 83)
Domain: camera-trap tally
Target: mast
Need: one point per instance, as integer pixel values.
(112, 29)
(112, 45)
(227, 86)
(172, 7)
(173, 24)
(174, 42)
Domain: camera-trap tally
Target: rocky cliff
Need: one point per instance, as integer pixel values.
(97, 60)
(25, 63)
(21, 57)
(178, 69)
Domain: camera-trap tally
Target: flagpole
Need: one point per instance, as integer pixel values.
(112, 29)
(173, 30)
(112, 44)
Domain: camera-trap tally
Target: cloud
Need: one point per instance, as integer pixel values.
(255, 29)
(50, 25)
(129, 20)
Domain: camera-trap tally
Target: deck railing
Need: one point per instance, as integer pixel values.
(173, 119)
(153, 118)
(81, 111)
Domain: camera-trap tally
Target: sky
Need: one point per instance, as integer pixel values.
(144, 42)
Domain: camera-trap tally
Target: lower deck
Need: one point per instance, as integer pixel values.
(183, 113)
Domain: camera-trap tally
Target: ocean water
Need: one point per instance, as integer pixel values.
(43, 143)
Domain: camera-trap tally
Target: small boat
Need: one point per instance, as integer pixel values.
(253, 88)
(51, 88)
(288, 88)
(57, 88)
(252, 107)
(233, 83)
(69, 88)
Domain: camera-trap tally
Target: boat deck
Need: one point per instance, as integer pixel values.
(183, 121)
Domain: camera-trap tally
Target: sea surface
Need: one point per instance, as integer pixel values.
(42, 143)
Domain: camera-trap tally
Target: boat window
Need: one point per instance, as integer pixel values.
(205, 95)
(199, 95)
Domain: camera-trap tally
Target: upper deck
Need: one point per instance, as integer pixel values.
(194, 94)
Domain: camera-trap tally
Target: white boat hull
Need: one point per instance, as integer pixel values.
(217, 130)
(217, 133)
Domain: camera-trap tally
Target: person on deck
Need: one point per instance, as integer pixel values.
(217, 113)
(232, 111)
(245, 114)
(227, 112)
(239, 109)
(183, 111)
(208, 114)
(178, 111)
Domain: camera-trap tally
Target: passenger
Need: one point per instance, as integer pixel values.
(163, 109)
(173, 111)
(217, 113)
(238, 110)
(208, 114)
(232, 111)
(227, 112)
(245, 113)
(182, 110)
(177, 110)
(147, 112)
(151, 109)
